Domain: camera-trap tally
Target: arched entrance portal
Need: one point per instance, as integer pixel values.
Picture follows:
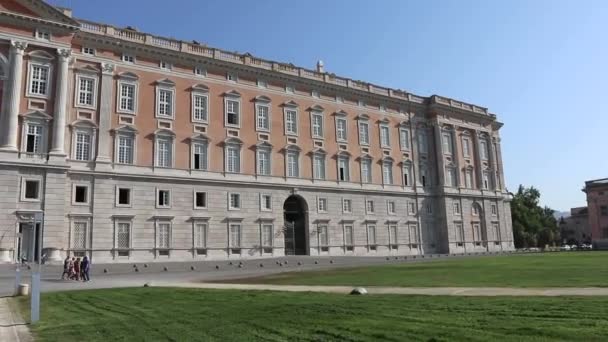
(296, 225)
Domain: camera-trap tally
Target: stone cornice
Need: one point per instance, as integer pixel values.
(34, 20)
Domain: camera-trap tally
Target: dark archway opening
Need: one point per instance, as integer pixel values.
(296, 225)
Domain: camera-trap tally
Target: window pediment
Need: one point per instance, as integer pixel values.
(387, 159)
(165, 82)
(404, 124)
(294, 148)
(262, 98)
(125, 129)
(88, 69)
(290, 103)
(200, 88)
(343, 154)
(232, 93)
(340, 113)
(384, 121)
(233, 141)
(83, 124)
(318, 150)
(164, 132)
(363, 117)
(316, 108)
(199, 137)
(41, 55)
(263, 144)
(36, 115)
(126, 75)
(365, 156)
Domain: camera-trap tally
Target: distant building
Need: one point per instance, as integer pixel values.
(597, 204)
(575, 228)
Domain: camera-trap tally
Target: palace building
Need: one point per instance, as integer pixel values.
(126, 146)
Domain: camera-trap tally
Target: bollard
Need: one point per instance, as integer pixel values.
(23, 290)
(17, 279)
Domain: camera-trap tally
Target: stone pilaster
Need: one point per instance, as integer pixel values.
(478, 162)
(458, 158)
(439, 154)
(61, 97)
(10, 116)
(105, 115)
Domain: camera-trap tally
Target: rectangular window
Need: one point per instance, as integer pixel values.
(234, 201)
(366, 171)
(83, 146)
(371, 235)
(341, 129)
(317, 125)
(165, 103)
(349, 239)
(392, 234)
(43, 34)
(459, 232)
(264, 162)
(407, 178)
(450, 177)
(79, 240)
(496, 231)
(446, 143)
(123, 235)
(291, 122)
(89, 51)
(486, 180)
(200, 235)
(293, 169)
(86, 91)
(231, 77)
(457, 208)
(265, 202)
(468, 178)
(494, 210)
(483, 149)
(319, 165)
(429, 208)
(404, 139)
(233, 159)
(604, 210)
(267, 235)
(33, 142)
(263, 117)
(199, 156)
(39, 80)
(466, 147)
(125, 149)
(126, 97)
(198, 71)
(165, 65)
(81, 194)
(413, 230)
(123, 197)
(347, 206)
(387, 173)
(370, 206)
(164, 152)
(363, 133)
(422, 142)
(200, 200)
(199, 108)
(323, 236)
(391, 207)
(343, 169)
(476, 231)
(233, 113)
(128, 58)
(411, 208)
(164, 235)
(322, 204)
(163, 198)
(235, 235)
(384, 136)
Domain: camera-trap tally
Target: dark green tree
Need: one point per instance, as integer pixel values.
(533, 225)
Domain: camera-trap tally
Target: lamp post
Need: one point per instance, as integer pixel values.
(35, 286)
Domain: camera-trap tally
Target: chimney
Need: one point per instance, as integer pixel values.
(66, 11)
(320, 66)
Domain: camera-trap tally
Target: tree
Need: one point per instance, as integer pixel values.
(533, 225)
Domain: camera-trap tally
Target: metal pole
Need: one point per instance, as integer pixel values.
(17, 278)
(35, 300)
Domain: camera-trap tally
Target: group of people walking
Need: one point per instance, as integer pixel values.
(76, 269)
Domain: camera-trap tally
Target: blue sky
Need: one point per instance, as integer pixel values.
(542, 66)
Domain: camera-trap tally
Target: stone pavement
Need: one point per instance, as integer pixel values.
(12, 327)
(427, 291)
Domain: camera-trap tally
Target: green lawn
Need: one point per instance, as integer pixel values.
(163, 314)
(572, 269)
